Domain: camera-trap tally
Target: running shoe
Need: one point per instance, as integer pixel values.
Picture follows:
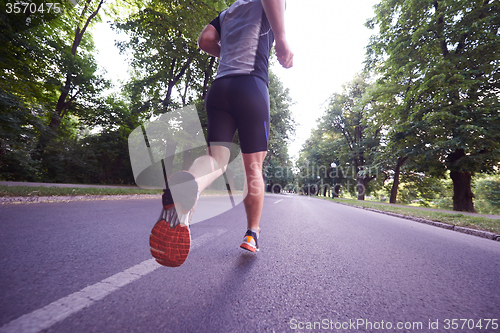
(170, 239)
(250, 241)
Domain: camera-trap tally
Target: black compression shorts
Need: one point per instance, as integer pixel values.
(239, 103)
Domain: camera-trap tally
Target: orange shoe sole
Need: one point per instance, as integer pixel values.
(247, 247)
(170, 246)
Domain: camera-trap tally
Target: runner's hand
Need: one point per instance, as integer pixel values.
(284, 53)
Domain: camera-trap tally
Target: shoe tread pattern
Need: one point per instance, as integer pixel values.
(170, 246)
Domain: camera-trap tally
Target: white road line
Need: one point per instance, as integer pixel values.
(278, 201)
(47, 316)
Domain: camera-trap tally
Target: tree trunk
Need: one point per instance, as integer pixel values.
(170, 148)
(62, 105)
(267, 161)
(208, 75)
(174, 79)
(362, 183)
(361, 187)
(462, 189)
(395, 185)
(336, 191)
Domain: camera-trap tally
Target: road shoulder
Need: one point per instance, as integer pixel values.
(465, 230)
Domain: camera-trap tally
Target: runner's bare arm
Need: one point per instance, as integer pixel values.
(275, 12)
(209, 41)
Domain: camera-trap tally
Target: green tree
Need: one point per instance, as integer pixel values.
(76, 85)
(398, 140)
(165, 56)
(79, 77)
(103, 157)
(443, 56)
(315, 162)
(277, 165)
(42, 81)
(347, 114)
(488, 190)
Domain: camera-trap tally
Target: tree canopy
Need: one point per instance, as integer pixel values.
(439, 59)
(435, 102)
(58, 124)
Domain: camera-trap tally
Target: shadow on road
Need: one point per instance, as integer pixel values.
(245, 261)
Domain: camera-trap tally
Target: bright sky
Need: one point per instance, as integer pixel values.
(328, 38)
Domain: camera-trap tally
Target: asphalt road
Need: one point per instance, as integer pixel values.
(85, 267)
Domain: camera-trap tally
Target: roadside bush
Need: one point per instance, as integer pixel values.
(443, 203)
(487, 195)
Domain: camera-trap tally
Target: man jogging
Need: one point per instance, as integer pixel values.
(241, 37)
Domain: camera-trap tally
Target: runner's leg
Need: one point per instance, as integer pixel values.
(209, 167)
(254, 199)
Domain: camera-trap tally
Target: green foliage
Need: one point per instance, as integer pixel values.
(348, 115)
(279, 176)
(39, 65)
(56, 124)
(19, 127)
(433, 109)
(26, 89)
(315, 160)
(42, 191)
(96, 159)
(100, 158)
(165, 56)
(282, 125)
(439, 80)
(422, 189)
(278, 167)
(348, 137)
(487, 189)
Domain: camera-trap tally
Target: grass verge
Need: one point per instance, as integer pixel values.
(40, 191)
(452, 218)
